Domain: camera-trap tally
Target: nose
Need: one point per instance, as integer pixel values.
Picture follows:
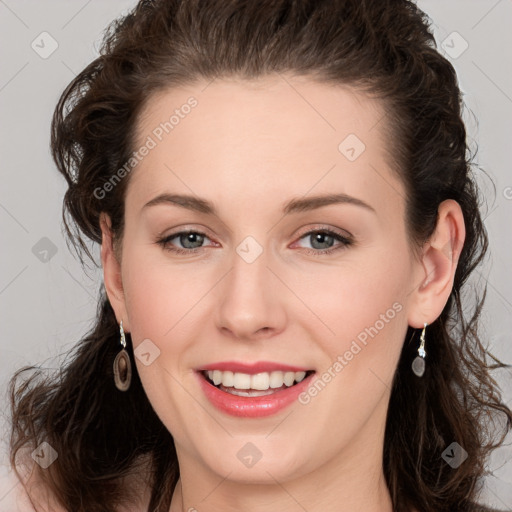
(250, 301)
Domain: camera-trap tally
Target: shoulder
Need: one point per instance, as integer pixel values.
(25, 493)
(13, 496)
(482, 508)
(13, 491)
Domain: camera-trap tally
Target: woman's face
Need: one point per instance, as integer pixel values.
(259, 287)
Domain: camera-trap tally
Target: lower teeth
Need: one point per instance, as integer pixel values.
(249, 392)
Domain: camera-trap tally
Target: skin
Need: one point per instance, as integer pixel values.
(249, 147)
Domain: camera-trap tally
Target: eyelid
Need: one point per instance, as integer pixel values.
(323, 227)
(186, 228)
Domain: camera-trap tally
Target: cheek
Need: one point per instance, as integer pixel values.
(364, 308)
(160, 295)
(361, 294)
(160, 304)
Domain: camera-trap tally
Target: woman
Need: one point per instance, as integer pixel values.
(287, 217)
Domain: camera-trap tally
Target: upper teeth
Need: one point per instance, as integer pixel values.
(260, 381)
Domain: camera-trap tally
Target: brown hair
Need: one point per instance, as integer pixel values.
(384, 48)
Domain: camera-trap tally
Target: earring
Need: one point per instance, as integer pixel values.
(122, 365)
(418, 365)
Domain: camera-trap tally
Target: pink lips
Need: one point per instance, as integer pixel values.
(252, 407)
(252, 369)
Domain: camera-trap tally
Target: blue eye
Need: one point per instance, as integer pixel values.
(185, 238)
(326, 236)
(191, 241)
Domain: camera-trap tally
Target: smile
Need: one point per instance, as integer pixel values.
(252, 393)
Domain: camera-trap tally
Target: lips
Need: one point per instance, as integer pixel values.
(252, 390)
(252, 368)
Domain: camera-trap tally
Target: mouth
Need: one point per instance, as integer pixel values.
(254, 385)
(248, 391)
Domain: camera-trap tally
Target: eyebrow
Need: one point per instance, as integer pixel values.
(296, 205)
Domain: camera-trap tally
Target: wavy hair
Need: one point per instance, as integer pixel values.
(383, 48)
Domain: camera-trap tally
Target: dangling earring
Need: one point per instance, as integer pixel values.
(418, 365)
(122, 365)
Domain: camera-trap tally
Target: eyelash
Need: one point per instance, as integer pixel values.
(345, 242)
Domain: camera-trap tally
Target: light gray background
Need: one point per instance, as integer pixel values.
(46, 307)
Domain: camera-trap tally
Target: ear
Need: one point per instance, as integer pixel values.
(439, 258)
(112, 272)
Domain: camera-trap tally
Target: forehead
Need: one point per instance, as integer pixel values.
(279, 135)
